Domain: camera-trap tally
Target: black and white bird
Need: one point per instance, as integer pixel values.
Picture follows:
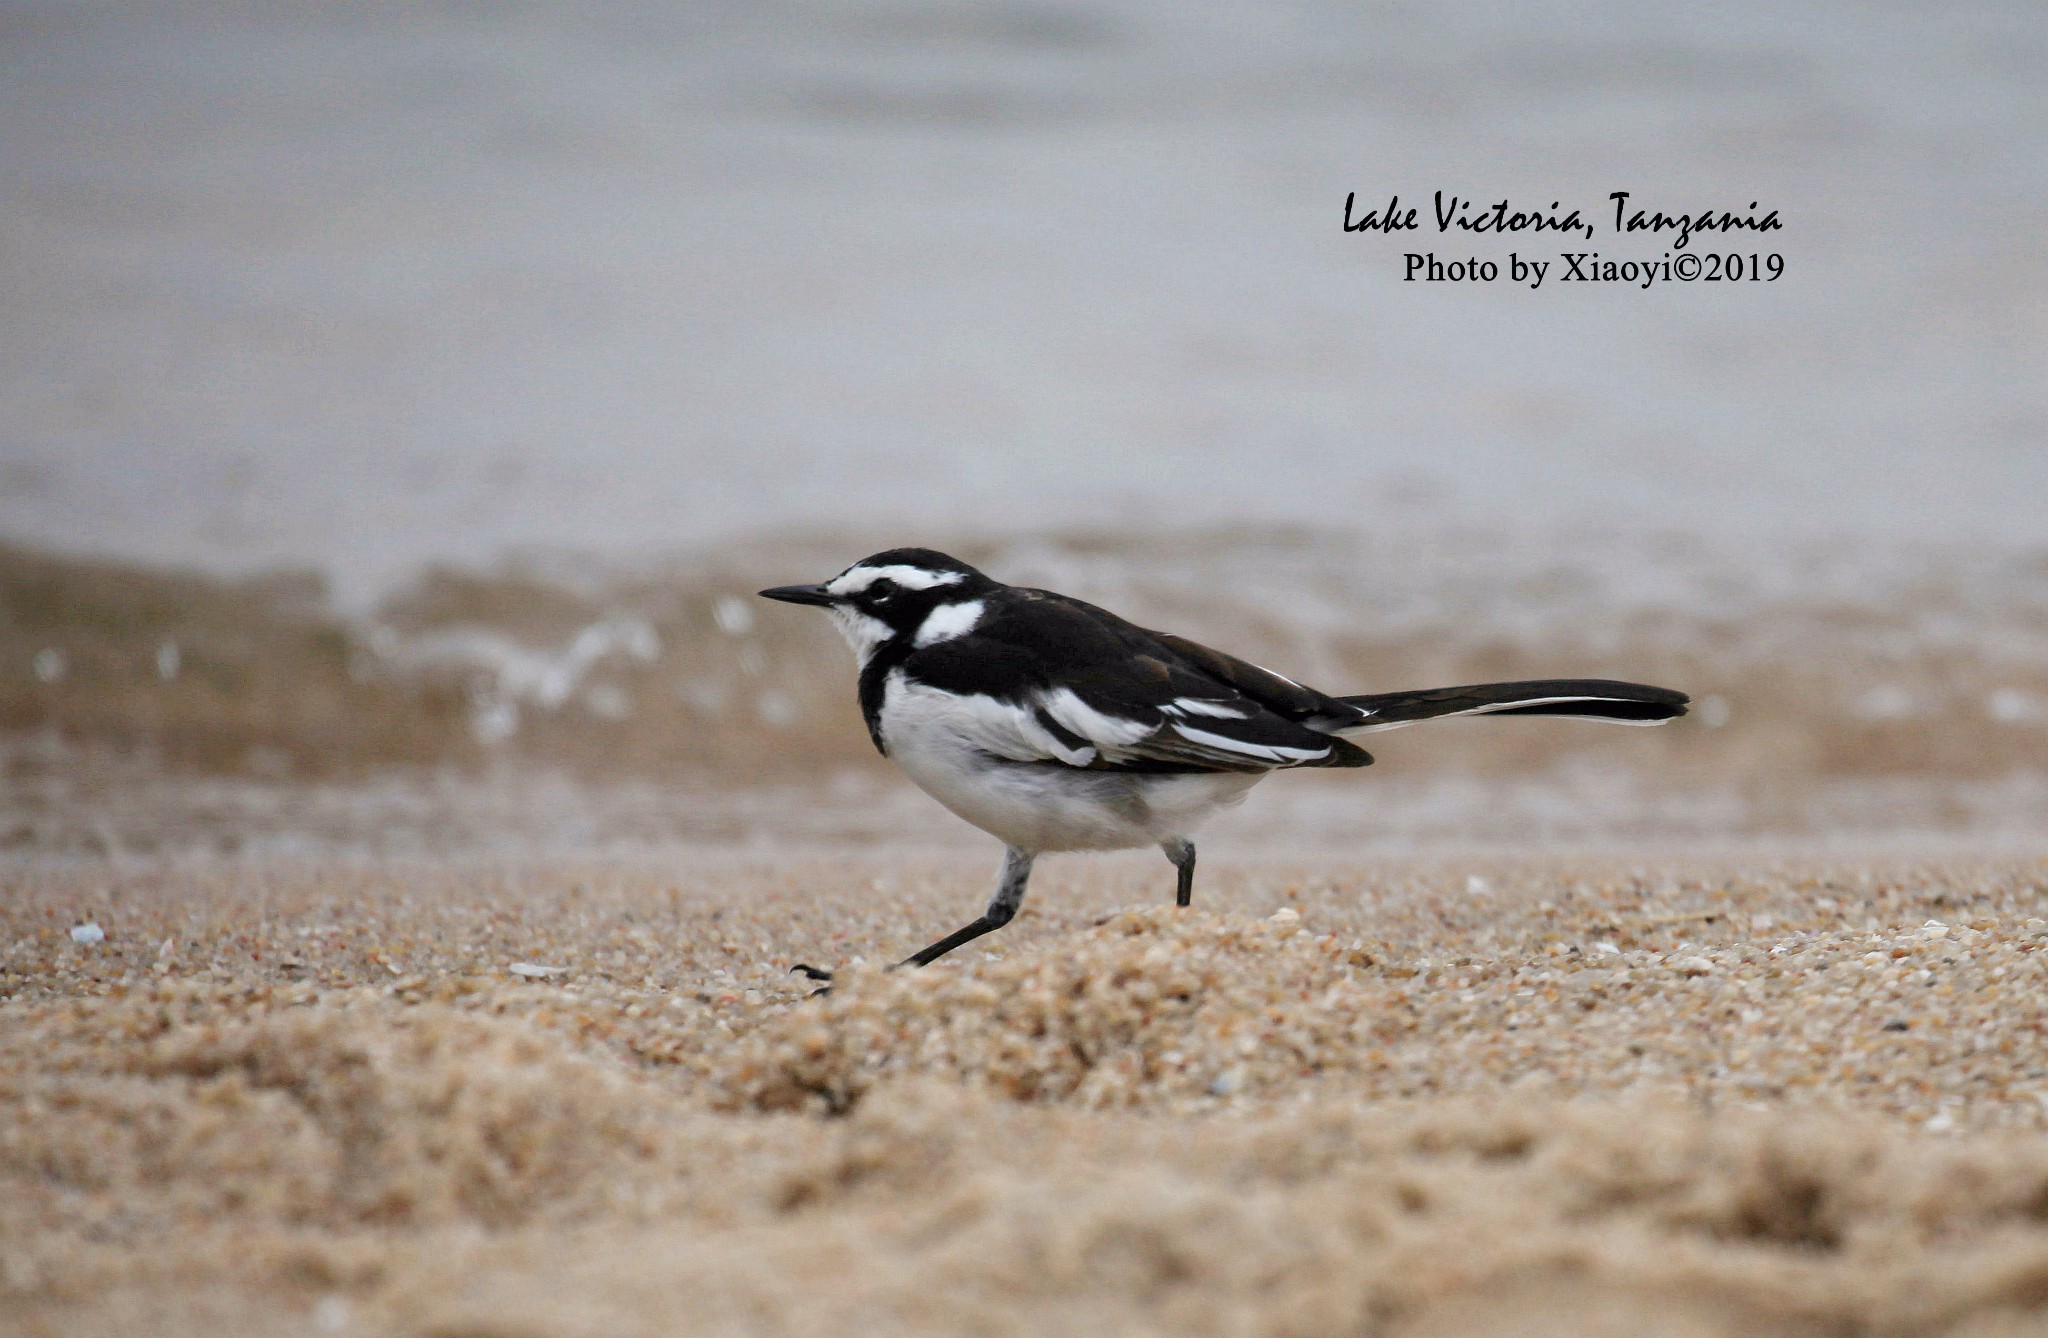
(1052, 724)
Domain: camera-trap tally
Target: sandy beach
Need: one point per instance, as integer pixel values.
(1689, 1090)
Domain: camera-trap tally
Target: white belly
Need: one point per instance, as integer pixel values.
(944, 746)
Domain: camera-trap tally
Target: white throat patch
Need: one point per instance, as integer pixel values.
(862, 633)
(948, 621)
(856, 579)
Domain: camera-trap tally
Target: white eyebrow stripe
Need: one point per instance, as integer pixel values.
(948, 621)
(856, 579)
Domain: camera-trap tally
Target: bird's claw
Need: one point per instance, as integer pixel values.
(809, 972)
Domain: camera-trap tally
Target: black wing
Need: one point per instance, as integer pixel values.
(1049, 678)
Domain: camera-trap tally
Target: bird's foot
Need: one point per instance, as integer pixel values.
(809, 972)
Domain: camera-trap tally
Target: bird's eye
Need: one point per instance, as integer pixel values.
(881, 592)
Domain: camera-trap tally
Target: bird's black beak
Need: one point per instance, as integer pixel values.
(799, 594)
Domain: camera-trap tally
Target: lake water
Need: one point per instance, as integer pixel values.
(365, 286)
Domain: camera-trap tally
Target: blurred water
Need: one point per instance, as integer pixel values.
(365, 284)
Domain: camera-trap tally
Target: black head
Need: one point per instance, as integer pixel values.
(895, 594)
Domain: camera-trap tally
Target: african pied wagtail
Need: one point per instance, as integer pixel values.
(1055, 725)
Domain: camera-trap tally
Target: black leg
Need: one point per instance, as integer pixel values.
(1182, 853)
(1009, 896)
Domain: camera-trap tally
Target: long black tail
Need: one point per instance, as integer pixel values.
(1573, 698)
